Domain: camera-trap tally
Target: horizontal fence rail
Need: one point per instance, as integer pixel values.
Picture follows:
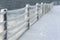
(14, 23)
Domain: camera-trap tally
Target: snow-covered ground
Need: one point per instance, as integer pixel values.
(47, 28)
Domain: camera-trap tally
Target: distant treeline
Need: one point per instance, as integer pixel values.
(15, 4)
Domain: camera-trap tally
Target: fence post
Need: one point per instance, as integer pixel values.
(37, 9)
(27, 11)
(45, 8)
(5, 24)
(42, 7)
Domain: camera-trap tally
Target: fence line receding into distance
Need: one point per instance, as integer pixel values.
(14, 23)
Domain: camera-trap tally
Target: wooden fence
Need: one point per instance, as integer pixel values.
(14, 23)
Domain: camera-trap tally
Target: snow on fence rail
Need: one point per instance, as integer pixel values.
(13, 23)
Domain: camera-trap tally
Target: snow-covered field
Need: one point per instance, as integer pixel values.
(47, 28)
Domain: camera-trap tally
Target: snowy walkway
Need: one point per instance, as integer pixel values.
(47, 28)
